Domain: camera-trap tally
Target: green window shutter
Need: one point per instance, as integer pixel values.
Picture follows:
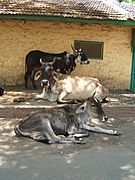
(92, 49)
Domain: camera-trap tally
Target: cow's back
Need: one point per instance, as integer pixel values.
(77, 87)
(33, 57)
(57, 117)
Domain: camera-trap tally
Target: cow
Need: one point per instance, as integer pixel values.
(63, 62)
(60, 124)
(46, 70)
(1, 91)
(71, 89)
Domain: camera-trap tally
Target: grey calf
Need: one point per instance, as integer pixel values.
(61, 124)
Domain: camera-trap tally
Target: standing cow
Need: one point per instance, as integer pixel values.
(63, 124)
(63, 62)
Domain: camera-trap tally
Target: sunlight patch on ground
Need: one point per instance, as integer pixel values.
(70, 157)
(129, 168)
(2, 161)
(128, 95)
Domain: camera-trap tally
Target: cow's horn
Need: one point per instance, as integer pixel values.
(73, 48)
(41, 61)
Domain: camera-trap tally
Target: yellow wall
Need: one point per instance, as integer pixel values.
(17, 38)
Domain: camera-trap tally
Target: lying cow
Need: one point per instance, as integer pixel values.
(64, 62)
(65, 124)
(46, 70)
(69, 89)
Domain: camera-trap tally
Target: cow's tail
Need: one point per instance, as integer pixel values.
(19, 132)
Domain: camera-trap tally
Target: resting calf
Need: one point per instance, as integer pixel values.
(64, 124)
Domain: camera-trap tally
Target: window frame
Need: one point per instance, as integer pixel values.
(93, 42)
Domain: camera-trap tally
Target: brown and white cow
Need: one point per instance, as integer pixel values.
(60, 124)
(70, 89)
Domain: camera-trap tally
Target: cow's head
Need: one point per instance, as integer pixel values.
(97, 109)
(91, 110)
(80, 56)
(47, 73)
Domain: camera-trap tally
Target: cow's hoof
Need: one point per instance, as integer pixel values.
(80, 142)
(104, 119)
(19, 99)
(45, 141)
(116, 133)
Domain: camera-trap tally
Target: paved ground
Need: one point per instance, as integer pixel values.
(103, 157)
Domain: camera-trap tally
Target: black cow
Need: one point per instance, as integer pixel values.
(63, 62)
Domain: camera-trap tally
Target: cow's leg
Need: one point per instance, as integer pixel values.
(45, 134)
(39, 137)
(29, 73)
(104, 100)
(32, 80)
(80, 133)
(61, 96)
(100, 130)
(100, 111)
(26, 77)
(26, 133)
(53, 138)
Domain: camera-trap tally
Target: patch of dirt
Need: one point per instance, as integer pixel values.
(121, 97)
(17, 95)
(116, 98)
(100, 141)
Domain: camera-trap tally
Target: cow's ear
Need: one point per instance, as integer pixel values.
(37, 75)
(82, 108)
(56, 76)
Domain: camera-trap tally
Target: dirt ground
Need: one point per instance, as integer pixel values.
(119, 102)
(19, 154)
(17, 95)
